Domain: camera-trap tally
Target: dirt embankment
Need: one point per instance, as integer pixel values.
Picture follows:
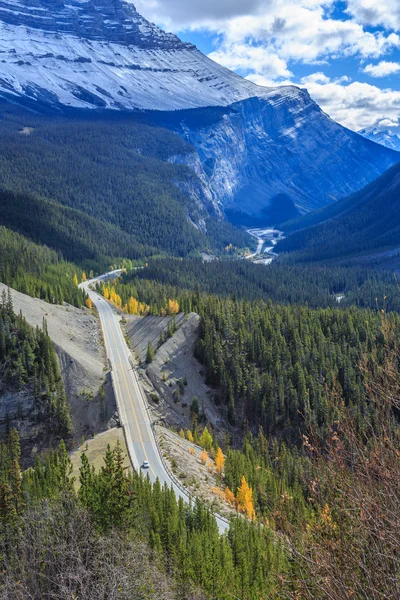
(174, 362)
(78, 342)
(199, 478)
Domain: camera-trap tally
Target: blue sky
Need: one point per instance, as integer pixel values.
(345, 52)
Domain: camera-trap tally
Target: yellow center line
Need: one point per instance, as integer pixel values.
(131, 401)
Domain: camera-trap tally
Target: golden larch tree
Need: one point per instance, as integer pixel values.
(219, 461)
(133, 306)
(76, 282)
(244, 499)
(172, 307)
(89, 303)
(230, 496)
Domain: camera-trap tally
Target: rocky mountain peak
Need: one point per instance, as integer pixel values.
(106, 20)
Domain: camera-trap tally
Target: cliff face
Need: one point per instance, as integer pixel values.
(254, 144)
(260, 148)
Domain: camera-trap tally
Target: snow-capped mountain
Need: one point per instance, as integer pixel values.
(386, 134)
(253, 143)
(103, 54)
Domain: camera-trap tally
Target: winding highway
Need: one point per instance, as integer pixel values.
(133, 412)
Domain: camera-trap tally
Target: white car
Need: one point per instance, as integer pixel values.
(145, 464)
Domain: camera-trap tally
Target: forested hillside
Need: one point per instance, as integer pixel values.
(37, 271)
(272, 365)
(28, 362)
(306, 534)
(121, 537)
(363, 228)
(115, 171)
(276, 366)
(314, 285)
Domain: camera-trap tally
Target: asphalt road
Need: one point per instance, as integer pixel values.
(131, 403)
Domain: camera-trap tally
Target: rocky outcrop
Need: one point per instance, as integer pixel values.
(105, 20)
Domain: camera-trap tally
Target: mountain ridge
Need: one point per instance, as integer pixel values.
(102, 56)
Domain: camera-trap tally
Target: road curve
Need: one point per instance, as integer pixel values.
(133, 412)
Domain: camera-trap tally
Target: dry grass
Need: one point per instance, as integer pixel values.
(96, 448)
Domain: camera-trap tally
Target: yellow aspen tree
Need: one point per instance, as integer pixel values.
(106, 293)
(204, 456)
(76, 282)
(84, 278)
(182, 434)
(244, 498)
(133, 306)
(230, 496)
(189, 436)
(172, 307)
(89, 304)
(219, 461)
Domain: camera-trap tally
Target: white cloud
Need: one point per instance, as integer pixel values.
(244, 57)
(266, 38)
(382, 69)
(376, 12)
(356, 105)
(315, 78)
(301, 30)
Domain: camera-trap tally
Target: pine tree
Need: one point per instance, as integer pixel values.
(150, 353)
(86, 492)
(119, 498)
(64, 469)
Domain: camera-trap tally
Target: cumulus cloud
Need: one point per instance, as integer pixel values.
(265, 39)
(356, 105)
(387, 124)
(301, 30)
(382, 69)
(376, 13)
(244, 57)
